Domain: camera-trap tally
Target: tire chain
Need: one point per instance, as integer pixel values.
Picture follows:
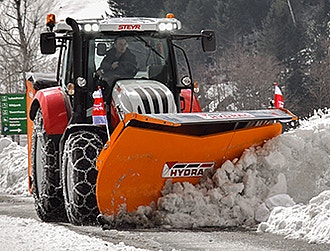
(80, 153)
(49, 202)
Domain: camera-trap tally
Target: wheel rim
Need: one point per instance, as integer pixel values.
(39, 166)
(69, 182)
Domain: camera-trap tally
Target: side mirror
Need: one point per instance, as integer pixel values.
(101, 49)
(47, 43)
(208, 40)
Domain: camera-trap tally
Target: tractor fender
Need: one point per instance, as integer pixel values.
(56, 109)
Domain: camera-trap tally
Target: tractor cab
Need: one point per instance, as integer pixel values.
(152, 83)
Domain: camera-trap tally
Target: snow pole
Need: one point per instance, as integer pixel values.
(278, 97)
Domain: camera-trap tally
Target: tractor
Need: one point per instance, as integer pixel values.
(152, 128)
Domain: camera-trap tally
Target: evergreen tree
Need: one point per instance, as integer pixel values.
(280, 35)
(136, 8)
(198, 15)
(238, 19)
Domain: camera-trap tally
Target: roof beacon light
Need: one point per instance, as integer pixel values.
(50, 21)
(170, 15)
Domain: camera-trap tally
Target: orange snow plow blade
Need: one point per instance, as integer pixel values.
(147, 150)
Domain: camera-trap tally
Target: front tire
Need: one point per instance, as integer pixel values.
(79, 175)
(46, 185)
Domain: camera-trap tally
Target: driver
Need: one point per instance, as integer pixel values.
(119, 62)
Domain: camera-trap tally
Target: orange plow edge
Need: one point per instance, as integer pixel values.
(146, 150)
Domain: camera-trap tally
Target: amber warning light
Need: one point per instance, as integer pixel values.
(170, 15)
(50, 21)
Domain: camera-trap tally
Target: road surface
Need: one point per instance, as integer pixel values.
(169, 239)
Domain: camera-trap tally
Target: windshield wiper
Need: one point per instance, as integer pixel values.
(148, 45)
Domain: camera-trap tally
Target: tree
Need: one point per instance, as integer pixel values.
(242, 80)
(20, 25)
(281, 36)
(237, 20)
(136, 8)
(253, 76)
(320, 90)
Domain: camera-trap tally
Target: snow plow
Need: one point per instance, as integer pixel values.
(101, 143)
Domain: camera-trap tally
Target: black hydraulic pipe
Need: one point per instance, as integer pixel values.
(79, 101)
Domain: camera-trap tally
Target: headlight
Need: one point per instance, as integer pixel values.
(91, 27)
(186, 81)
(168, 26)
(81, 82)
(87, 27)
(165, 26)
(161, 26)
(95, 27)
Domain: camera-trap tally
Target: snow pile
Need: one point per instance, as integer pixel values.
(303, 155)
(307, 162)
(29, 234)
(231, 197)
(310, 222)
(13, 168)
(244, 192)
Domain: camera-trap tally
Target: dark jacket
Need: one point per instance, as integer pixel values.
(127, 64)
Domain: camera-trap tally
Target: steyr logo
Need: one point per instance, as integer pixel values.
(129, 27)
(177, 170)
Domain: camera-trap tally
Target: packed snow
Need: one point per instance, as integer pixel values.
(282, 188)
(29, 234)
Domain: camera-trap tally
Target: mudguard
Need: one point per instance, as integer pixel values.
(55, 107)
(146, 150)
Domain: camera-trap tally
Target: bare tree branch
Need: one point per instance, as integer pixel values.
(20, 27)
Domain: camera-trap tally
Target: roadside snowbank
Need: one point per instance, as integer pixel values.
(305, 156)
(13, 167)
(309, 222)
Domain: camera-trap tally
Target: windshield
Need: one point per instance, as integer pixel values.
(139, 56)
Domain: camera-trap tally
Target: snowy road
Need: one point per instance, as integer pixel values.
(165, 239)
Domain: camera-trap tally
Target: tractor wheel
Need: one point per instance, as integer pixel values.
(79, 177)
(46, 185)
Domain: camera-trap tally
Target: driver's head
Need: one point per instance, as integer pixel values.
(120, 44)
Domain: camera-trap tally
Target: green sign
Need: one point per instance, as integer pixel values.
(13, 113)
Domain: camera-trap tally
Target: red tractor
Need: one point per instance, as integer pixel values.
(152, 127)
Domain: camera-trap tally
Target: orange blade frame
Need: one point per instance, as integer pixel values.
(131, 166)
